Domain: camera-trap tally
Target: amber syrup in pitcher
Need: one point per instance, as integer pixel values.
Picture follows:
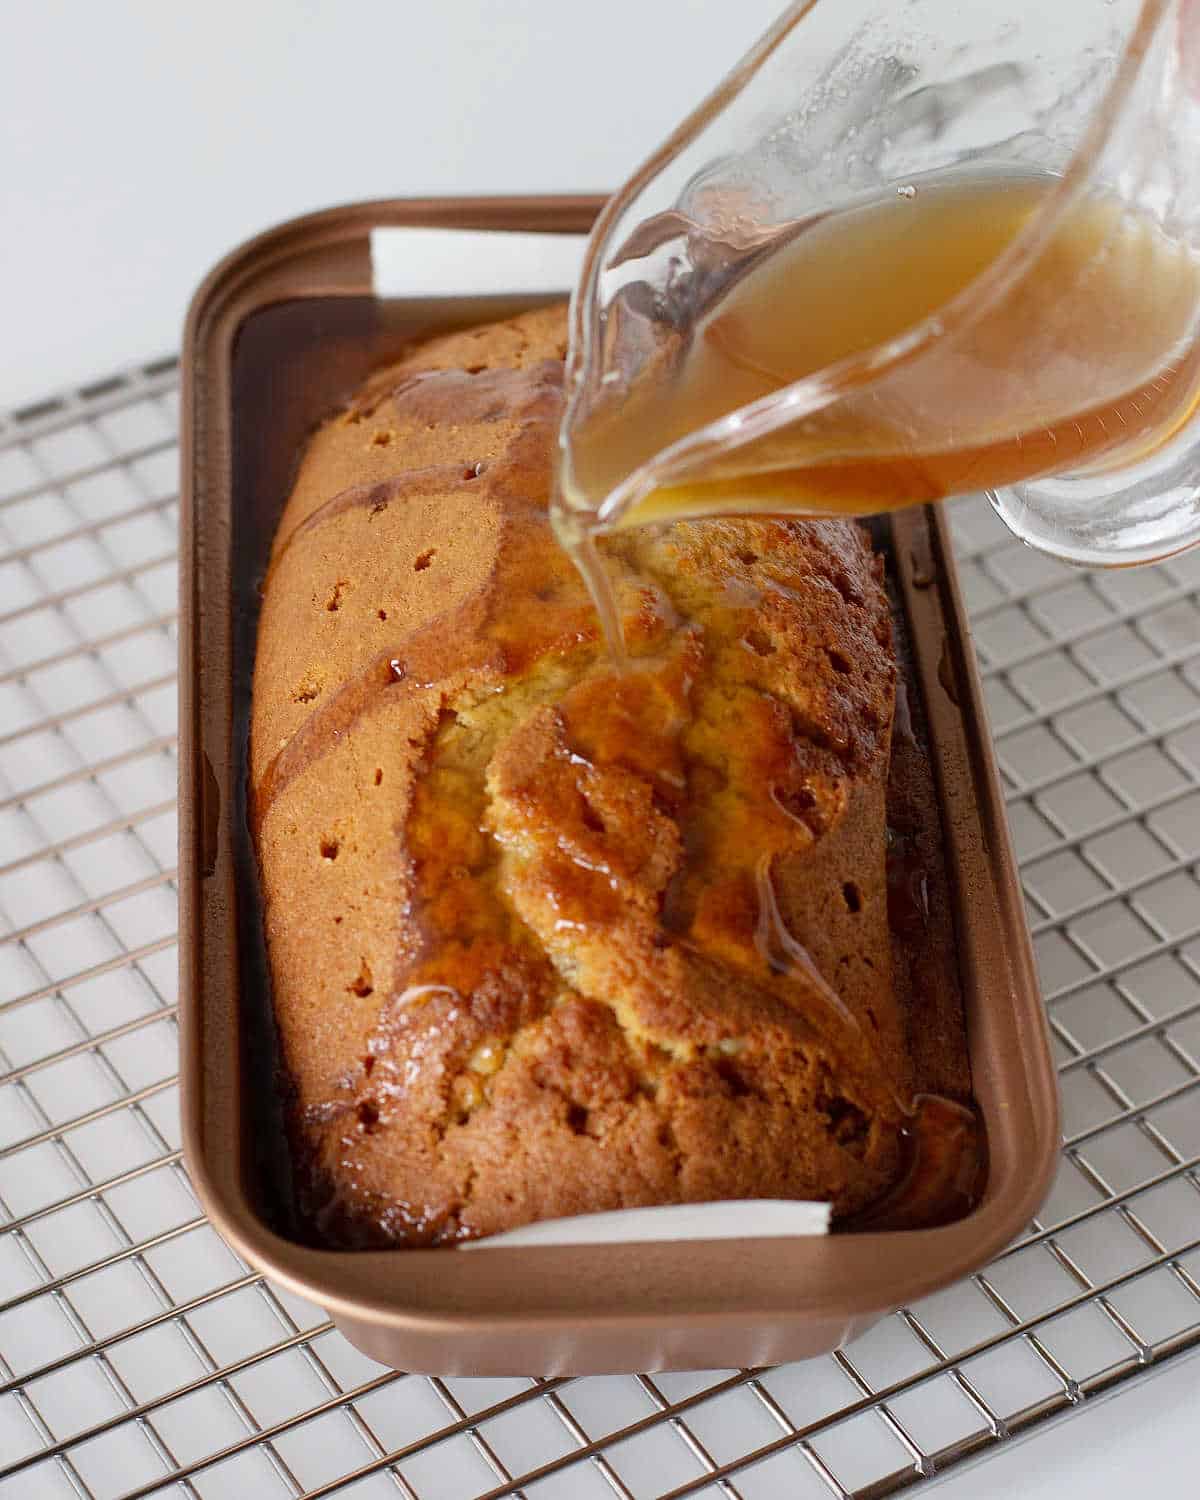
(1089, 358)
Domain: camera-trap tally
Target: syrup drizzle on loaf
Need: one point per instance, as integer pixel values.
(515, 901)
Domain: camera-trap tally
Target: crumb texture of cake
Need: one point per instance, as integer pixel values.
(546, 938)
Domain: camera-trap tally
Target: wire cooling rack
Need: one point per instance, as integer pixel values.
(139, 1356)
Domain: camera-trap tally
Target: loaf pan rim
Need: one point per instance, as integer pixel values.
(258, 274)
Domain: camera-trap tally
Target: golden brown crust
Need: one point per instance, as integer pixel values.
(546, 939)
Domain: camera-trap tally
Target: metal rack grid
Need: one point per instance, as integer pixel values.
(139, 1356)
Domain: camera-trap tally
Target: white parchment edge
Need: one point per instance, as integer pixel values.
(739, 1219)
(461, 262)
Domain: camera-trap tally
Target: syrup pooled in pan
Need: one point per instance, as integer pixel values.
(944, 1170)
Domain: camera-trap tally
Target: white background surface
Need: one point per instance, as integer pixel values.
(141, 141)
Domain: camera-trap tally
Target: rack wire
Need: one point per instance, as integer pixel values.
(139, 1356)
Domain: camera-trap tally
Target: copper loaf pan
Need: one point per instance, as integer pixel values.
(278, 333)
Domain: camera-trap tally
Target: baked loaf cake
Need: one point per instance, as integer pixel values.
(544, 938)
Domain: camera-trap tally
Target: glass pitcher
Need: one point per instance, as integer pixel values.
(907, 250)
